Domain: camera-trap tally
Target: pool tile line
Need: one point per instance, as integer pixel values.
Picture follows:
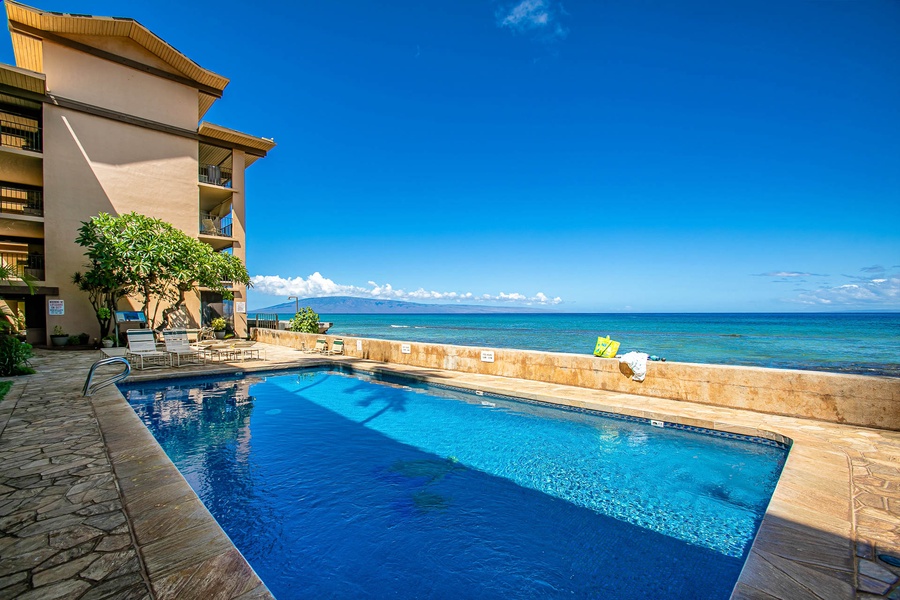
(618, 416)
(776, 441)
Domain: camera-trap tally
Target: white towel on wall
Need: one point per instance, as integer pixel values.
(637, 361)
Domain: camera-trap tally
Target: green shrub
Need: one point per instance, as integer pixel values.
(305, 321)
(218, 324)
(74, 340)
(14, 357)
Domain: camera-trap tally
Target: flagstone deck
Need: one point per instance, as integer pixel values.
(90, 506)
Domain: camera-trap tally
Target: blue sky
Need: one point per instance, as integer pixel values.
(582, 156)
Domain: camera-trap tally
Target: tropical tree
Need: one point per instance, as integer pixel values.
(305, 321)
(104, 289)
(195, 264)
(155, 262)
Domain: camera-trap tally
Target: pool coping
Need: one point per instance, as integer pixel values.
(806, 546)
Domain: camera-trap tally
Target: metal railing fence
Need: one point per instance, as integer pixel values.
(21, 201)
(21, 134)
(215, 175)
(24, 264)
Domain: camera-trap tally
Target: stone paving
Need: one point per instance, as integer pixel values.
(90, 507)
(73, 527)
(63, 530)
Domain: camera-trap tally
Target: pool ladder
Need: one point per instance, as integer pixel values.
(90, 388)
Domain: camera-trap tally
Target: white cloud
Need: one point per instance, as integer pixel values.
(541, 16)
(872, 293)
(789, 274)
(316, 285)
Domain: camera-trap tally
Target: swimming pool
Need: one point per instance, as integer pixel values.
(337, 484)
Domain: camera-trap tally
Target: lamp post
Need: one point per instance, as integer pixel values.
(296, 300)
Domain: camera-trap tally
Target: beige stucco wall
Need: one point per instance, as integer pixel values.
(125, 47)
(93, 164)
(20, 166)
(849, 399)
(19, 226)
(239, 233)
(79, 76)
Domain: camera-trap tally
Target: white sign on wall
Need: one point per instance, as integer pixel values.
(240, 307)
(487, 356)
(56, 308)
(405, 349)
(359, 345)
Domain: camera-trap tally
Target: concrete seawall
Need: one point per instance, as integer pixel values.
(834, 397)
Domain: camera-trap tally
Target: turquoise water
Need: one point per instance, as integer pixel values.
(335, 485)
(863, 343)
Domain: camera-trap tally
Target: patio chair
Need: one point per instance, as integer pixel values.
(214, 350)
(246, 349)
(142, 350)
(321, 346)
(337, 347)
(179, 348)
(209, 227)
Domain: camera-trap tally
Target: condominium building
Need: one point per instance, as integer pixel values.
(101, 115)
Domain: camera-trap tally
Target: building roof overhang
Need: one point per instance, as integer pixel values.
(23, 79)
(254, 147)
(29, 26)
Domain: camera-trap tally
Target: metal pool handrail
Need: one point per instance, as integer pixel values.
(87, 390)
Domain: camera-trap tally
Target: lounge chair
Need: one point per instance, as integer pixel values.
(179, 348)
(214, 350)
(142, 350)
(321, 347)
(246, 349)
(337, 347)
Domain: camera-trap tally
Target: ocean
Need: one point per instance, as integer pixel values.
(864, 343)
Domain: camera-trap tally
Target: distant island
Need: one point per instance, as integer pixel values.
(347, 305)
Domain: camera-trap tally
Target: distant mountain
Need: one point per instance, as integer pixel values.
(347, 305)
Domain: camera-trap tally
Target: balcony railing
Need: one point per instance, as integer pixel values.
(215, 175)
(20, 201)
(24, 264)
(23, 133)
(210, 225)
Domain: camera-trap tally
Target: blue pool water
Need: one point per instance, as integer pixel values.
(338, 485)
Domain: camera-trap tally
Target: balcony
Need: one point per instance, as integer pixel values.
(218, 226)
(20, 132)
(21, 201)
(215, 175)
(22, 264)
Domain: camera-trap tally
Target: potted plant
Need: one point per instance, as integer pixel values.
(108, 341)
(219, 324)
(59, 337)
